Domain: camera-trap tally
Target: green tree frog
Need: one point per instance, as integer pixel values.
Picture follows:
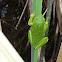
(36, 34)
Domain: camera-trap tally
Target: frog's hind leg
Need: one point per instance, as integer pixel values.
(42, 42)
(30, 36)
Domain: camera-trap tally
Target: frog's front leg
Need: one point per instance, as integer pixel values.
(46, 25)
(42, 42)
(30, 22)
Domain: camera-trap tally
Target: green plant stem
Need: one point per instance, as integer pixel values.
(34, 55)
(37, 7)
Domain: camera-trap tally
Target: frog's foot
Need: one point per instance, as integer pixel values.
(42, 42)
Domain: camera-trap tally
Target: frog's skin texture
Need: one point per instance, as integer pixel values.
(37, 31)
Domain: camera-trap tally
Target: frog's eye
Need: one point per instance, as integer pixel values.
(32, 15)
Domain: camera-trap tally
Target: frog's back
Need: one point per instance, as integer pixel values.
(37, 29)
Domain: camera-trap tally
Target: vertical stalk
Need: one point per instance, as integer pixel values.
(49, 6)
(34, 55)
(37, 7)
